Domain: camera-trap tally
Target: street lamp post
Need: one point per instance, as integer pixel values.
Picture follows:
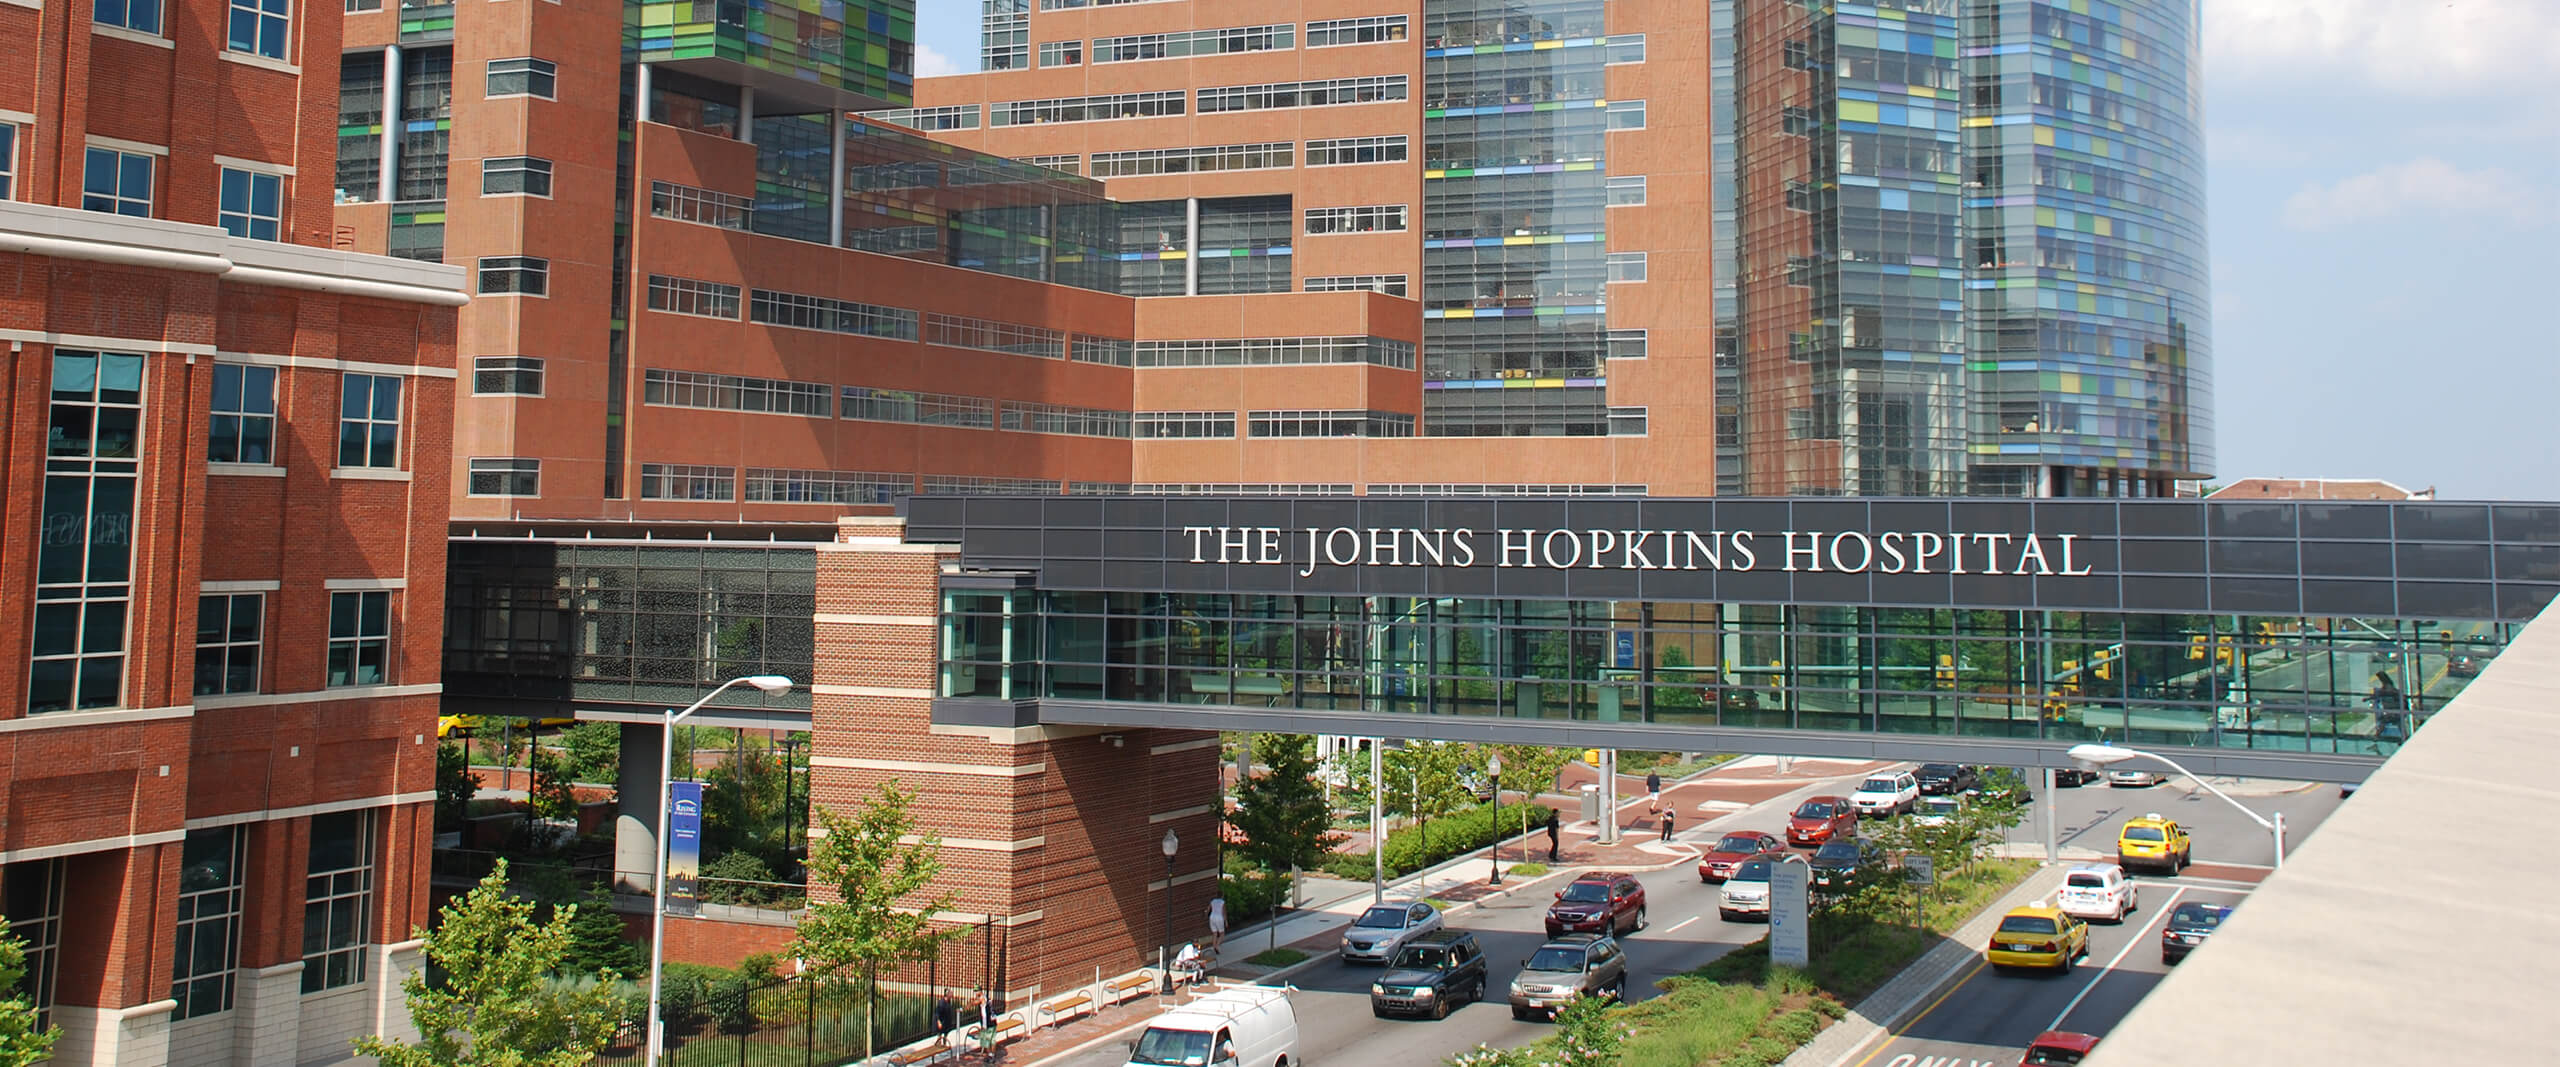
(1493, 769)
(2096, 755)
(1171, 843)
(770, 683)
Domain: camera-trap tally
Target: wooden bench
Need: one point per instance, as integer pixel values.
(1005, 1029)
(1122, 989)
(924, 1053)
(1067, 1007)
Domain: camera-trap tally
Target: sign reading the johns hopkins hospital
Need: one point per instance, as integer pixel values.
(1789, 551)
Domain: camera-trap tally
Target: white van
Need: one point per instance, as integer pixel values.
(1242, 1026)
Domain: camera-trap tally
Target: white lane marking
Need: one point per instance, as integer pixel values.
(1675, 927)
(2139, 937)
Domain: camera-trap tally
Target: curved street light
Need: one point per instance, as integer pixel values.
(770, 683)
(2098, 754)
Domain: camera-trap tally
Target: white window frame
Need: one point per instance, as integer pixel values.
(504, 472)
(116, 201)
(9, 127)
(247, 216)
(1619, 108)
(514, 367)
(541, 78)
(527, 170)
(1618, 183)
(1627, 268)
(357, 639)
(209, 909)
(535, 269)
(341, 887)
(1380, 218)
(370, 418)
(229, 645)
(257, 400)
(270, 27)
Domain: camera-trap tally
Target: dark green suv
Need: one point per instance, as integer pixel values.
(1431, 975)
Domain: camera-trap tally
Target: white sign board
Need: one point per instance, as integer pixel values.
(1919, 870)
(1789, 918)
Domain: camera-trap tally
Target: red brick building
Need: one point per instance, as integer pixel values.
(223, 479)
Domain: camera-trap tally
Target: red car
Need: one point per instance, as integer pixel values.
(2058, 1048)
(1598, 903)
(1719, 862)
(1820, 819)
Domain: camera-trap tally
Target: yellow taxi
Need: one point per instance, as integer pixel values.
(2040, 936)
(447, 724)
(2153, 840)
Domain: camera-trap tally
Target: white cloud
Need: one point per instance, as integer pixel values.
(2432, 47)
(933, 64)
(2420, 187)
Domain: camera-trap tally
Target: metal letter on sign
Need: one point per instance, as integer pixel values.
(1789, 918)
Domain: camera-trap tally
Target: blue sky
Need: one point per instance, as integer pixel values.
(2384, 192)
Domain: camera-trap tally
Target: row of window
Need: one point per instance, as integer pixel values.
(253, 27)
(1303, 94)
(1081, 108)
(684, 203)
(248, 203)
(1372, 218)
(1320, 34)
(1138, 46)
(1276, 351)
(1390, 284)
(1345, 423)
(242, 426)
(736, 392)
(1263, 156)
(682, 481)
(231, 635)
(1344, 151)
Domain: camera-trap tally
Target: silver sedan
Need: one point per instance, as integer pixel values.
(1384, 928)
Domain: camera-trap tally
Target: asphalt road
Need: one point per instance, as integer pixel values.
(1336, 1027)
(2091, 814)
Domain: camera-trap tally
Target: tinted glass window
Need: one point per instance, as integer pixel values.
(2028, 924)
(2143, 833)
(1586, 893)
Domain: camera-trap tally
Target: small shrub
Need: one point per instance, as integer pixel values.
(1278, 957)
(1252, 896)
(1796, 1027)
(721, 880)
(1527, 870)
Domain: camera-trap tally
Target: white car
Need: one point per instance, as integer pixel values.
(1375, 936)
(1746, 892)
(1245, 1026)
(2097, 891)
(2135, 779)
(1886, 794)
(1935, 811)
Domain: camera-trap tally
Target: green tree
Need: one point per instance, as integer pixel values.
(878, 917)
(596, 944)
(1281, 811)
(594, 751)
(742, 806)
(455, 785)
(21, 1043)
(1678, 694)
(1432, 777)
(1530, 769)
(497, 1005)
(551, 797)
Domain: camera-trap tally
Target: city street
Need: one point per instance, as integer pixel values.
(2091, 814)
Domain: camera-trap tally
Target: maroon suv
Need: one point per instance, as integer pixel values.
(1598, 903)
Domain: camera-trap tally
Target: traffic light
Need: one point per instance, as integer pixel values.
(2054, 705)
(1946, 672)
(2222, 649)
(2104, 667)
(2195, 647)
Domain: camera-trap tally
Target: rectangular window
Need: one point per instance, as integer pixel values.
(211, 879)
(1085, 108)
(1626, 48)
(1370, 30)
(84, 555)
(688, 296)
(118, 182)
(506, 376)
(8, 161)
(802, 312)
(1276, 352)
(359, 638)
(1070, 162)
(930, 409)
(139, 15)
(1342, 151)
(1626, 190)
(243, 426)
(1063, 419)
(988, 335)
(337, 900)
(369, 421)
(1061, 53)
(1375, 218)
(522, 275)
(261, 27)
(228, 626)
(356, 6)
(1303, 94)
(252, 204)
(1157, 425)
(1348, 423)
(928, 119)
(684, 203)
(530, 175)
(523, 77)
(1626, 266)
(1266, 156)
(426, 113)
(1004, 34)
(35, 896)
(1626, 344)
(1390, 284)
(685, 481)
(732, 392)
(506, 477)
(772, 485)
(1626, 114)
(1626, 422)
(1110, 351)
(1139, 46)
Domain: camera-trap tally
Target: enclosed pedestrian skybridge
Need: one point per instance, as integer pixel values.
(2286, 639)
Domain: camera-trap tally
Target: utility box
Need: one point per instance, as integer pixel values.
(1591, 803)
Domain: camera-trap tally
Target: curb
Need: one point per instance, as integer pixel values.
(1908, 992)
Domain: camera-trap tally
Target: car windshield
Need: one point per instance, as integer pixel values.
(2198, 916)
(2051, 1057)
(1390, 918)
(1586, 893)
(1876, 785)
(1841, 851)
(1423, 957)
(2143, 833)
(1738, 843)
(1754, 871)
(2087, 881)
(2026, 924)
(1938, 770)
(1172, 1048)
(1556, 958)
(1814, 809)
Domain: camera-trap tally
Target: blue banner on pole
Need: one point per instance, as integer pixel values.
(1626, 648)
(684, 848)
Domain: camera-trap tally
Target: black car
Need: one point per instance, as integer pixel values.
(1839, 865)
(2067, 777)
(1431, 975)
(2188, 927)
(1946, 779)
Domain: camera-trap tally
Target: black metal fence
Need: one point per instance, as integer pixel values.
(802, 1021)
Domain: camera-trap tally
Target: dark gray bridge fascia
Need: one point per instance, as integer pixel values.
(1576, 734)
(2413, 560)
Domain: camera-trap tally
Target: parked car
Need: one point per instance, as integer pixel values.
(1731, 850)
(1567, 967)
(1375, 936)
(1431, 975)
(1747, 892)
(1598, 903)
(1254, 1026)
(1891, 793)
(2098, 891)
(1942, 779)
(2038, 935)
(1821, 819)
(1841, 862)
(2058, 1048)
(2154, 840)
(2135, 779)
(2188, 926)
(2004, 783)
(2073, 777)
(1936, 811)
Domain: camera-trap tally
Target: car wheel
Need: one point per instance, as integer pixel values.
(2067, 958)
(1439, 1007)
(1640, 923)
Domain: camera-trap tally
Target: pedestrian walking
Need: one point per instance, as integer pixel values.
(1554, 834)
(1217, 923)
(986, 1013)
(946, 1014)
(1653, 791)
(1666, 824)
